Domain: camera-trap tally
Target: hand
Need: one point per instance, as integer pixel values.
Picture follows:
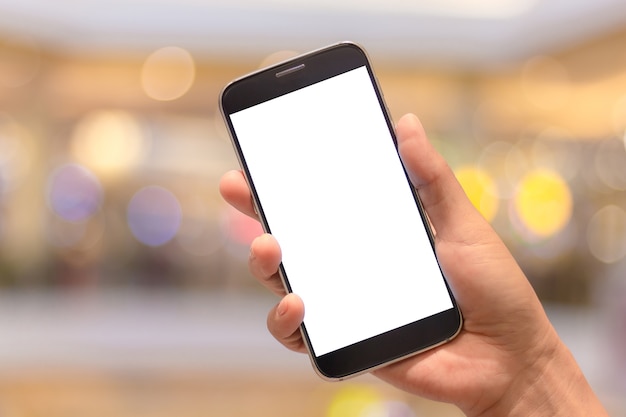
(508, 359)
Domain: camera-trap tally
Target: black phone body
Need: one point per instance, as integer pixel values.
(318, 150)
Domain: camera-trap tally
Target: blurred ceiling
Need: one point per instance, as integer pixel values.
(466, 33)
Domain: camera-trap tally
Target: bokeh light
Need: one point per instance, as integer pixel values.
(355, 401)
(110, 142)
(154, 215)
(74, 193)
(589, 174)
(543, 203)
(481, 190)
(168, 73)
(20, 60)
(555, 149)
(610, 164)
(606, 234)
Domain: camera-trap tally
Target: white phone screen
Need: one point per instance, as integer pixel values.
(335, 196)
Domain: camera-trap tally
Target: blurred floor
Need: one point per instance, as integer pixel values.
(162, 354)
(169, 354)
(128, 330)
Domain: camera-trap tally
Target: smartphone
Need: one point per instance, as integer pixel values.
(318, 150)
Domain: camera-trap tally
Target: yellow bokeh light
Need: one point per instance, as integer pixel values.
(168, 73)
(110, 142)
(543, 202)
(481, 190)
(354, 401)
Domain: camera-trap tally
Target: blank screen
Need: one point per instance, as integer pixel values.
(334, 194)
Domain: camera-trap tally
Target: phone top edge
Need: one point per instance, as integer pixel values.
(297, 58)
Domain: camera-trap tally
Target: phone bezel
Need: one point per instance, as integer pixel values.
(264, 85)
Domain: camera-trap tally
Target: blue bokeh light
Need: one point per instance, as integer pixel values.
(154, 215)
(74, 193)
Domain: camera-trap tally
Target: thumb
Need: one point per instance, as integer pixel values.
(450, 211)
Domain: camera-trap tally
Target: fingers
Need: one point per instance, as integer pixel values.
(235, 190)
(284, 320)
(450, 211)
(265, 257)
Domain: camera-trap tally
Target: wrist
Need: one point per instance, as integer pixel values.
(552, 385)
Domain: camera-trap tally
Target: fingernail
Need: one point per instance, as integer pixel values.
(252, 259)
(281, 309)
(251, 255)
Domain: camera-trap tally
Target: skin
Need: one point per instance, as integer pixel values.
(508, 360)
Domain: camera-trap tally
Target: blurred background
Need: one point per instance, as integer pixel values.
(123, 280)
